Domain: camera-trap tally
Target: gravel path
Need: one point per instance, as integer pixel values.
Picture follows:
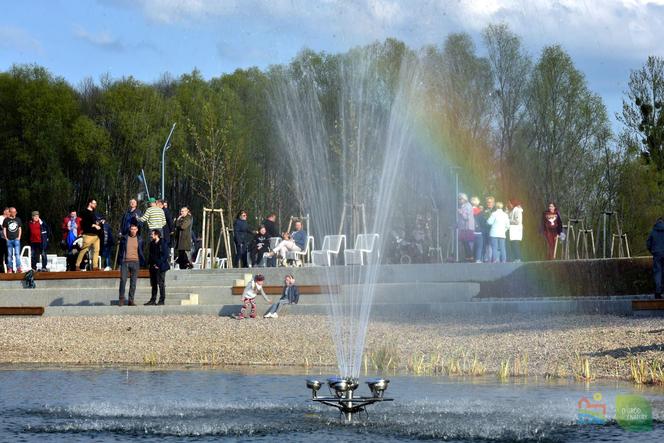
(553, 345)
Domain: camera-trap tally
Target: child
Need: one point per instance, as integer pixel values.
(290, 295)
(252, 289)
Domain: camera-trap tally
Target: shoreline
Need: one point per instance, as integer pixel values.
(554, 347)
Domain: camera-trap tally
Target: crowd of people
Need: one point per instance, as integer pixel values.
(493, 233)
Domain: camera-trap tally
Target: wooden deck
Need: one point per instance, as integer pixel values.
(73, 275)
(648, 305)
(21, 310)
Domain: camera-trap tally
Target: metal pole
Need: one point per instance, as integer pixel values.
(167, 145)
(604, 235)
(456, 229)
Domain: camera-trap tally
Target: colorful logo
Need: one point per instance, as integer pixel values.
(633, 413)
(589, 413)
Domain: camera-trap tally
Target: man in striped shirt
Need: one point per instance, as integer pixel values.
(154, 217)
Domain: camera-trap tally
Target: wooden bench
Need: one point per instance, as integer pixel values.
(648, 305)
(304, 289)
(21, 310)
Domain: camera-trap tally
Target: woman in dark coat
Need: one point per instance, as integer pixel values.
(552, 227)
(183, 238)
(242, 237)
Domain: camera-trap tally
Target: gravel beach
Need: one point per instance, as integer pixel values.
(554, 345)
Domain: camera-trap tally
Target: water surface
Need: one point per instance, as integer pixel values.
(108, 405)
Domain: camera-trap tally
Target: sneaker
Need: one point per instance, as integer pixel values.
(107, 268)
(268, 315)
(275, 315)
(19, 271)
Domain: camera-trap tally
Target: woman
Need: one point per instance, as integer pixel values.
(289, 295)
(183, 238)
(500, 223)
(466, 225)
(259, 246)
(241, 237)
(552, 227)
(516, 229)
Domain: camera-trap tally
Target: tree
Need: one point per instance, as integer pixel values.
(510, 67)
(567, 129)
(642, 115)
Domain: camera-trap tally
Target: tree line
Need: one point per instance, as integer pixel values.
(517, 125)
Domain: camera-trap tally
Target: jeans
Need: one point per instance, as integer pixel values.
(128, 268)
(657, 268)
(106, 257)
(241, 251)
(479, 246)
(158, 281)
(498, 246)
(13, 254)
(487, 248)
(38, 250)
(275, 306)
(515, 250)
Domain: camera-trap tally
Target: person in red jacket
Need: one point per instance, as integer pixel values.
(552, 227)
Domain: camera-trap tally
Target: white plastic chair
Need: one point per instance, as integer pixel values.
(300, 256)
(25, 259)
(331, 246)
(207, 252)
(364, 245)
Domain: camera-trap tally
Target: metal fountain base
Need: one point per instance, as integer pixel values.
(342, 391)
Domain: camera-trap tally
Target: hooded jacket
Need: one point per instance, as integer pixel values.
(655, 242)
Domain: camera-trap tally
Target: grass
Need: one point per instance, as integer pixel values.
(581, 369)
(383, 358)
(644, 372)
(460, 364)
(151, 359)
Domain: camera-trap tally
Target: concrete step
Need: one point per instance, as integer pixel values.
(78, 311)
(49, 298)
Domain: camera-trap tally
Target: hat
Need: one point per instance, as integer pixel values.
(35, 213)
(152, 200)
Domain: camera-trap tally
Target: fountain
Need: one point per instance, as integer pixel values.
(342, 391)
(357, 155)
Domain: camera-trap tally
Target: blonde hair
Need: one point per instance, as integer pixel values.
(474, 200)
(499, 205)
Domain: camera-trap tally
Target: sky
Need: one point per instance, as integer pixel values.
(76, 39)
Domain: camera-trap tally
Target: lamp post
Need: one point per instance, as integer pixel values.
(167, 145)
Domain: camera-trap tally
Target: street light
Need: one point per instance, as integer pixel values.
(167, 145)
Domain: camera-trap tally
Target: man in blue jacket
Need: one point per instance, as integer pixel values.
(158, 263)
(655, 244)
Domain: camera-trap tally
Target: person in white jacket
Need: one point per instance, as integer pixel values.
(516, 229)
(500, 223)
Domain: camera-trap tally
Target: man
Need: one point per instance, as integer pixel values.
(271, 225)
(91, 230)
(131, 258)
(183, 238)
(12, 229)
(3, 242)
(655, 245)
(154, 217)
(39, 236)
(158, 262)
(296, 242)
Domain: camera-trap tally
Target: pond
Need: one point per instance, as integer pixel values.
(111, 404)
